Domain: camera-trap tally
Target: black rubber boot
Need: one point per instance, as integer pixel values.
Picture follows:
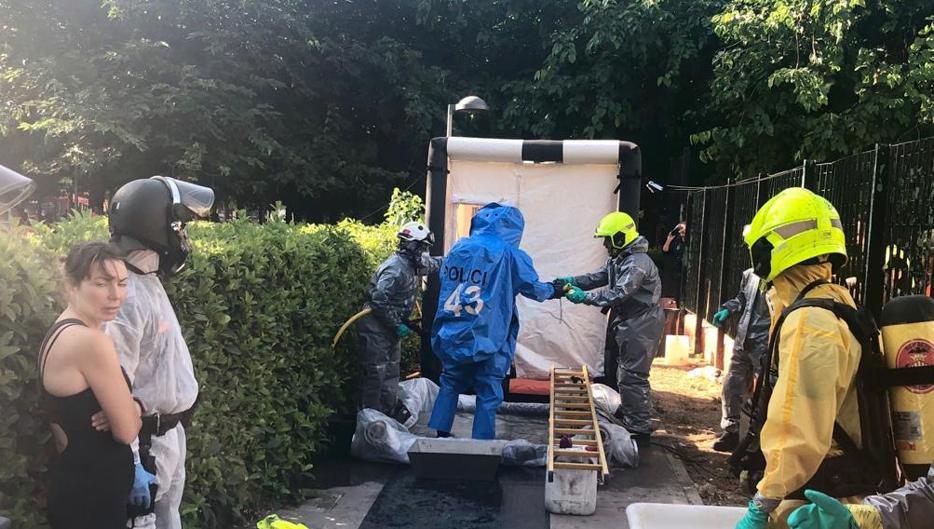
(643, 440)
(726, 442)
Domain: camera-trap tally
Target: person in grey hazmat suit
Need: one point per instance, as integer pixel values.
(632, 291)
(749, 345)
(391, 298)
(908, 507)
(147, 220)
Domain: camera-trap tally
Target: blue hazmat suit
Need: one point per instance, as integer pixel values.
(476, 325)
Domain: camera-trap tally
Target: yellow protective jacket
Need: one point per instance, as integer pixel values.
(818, 358)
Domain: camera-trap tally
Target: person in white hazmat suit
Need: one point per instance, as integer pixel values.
(147, 220)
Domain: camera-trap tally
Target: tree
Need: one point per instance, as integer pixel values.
(817, 79)
(241, 96)
(623, 70)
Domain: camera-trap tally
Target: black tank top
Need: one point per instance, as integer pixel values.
(86, 447)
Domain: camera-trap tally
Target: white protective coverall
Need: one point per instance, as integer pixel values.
(154, 355)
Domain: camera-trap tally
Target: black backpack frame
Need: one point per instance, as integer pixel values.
(872, 468)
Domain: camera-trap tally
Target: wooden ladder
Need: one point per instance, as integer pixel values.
(572, 414)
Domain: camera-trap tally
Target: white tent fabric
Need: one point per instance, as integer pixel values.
(562, 204)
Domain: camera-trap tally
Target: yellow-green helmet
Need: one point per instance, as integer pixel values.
(619, 228)
(794, 226)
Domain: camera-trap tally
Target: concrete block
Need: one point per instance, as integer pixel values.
(456, 459)
(571, 492)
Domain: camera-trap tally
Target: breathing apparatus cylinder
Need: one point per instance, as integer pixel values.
(907, 326)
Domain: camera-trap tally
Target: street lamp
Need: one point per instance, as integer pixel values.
(469, 105)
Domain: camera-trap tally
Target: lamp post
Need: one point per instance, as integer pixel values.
(468, 105)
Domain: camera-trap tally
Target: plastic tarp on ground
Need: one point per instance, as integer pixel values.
(383, 439)
(562, 203)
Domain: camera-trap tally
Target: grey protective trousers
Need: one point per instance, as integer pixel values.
(636, 340)
(745, 362)
(379, 350)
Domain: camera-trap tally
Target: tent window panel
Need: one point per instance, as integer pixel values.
(464, 213)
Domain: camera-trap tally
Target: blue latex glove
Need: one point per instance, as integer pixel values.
(720, 317)
(824, 512)
(403, 330)
(142, 479)
(753, 519)
(575, 295)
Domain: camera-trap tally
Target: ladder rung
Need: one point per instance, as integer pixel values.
(575, 453)
(579, 442)
(570, 398)
(573, 421)
(577, 466)
(574, 431)
(568, 385)
(568, 372)
(572, 413)
(572, 405)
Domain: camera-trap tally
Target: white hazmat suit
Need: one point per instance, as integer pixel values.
(154, 354)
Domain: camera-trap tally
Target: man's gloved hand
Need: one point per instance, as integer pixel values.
(823, 512)
(567, 280)
(753, 519)
(139, 494)
(403, 330)
(559, 286)
(576, 295)
(720, 316)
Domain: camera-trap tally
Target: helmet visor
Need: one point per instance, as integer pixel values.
(196, 199)
(14, 188)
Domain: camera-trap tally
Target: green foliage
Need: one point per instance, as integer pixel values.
(329, 105)
(271, 99)
(27, 308)
(817, 79)
(627, 70)
(259, 305)
(404, 207)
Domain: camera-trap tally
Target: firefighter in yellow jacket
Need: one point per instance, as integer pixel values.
(796, 240)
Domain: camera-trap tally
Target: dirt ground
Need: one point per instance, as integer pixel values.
(688, 412)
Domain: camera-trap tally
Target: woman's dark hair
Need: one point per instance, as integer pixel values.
(81, 259)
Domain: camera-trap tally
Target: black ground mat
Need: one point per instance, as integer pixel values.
(515, 501)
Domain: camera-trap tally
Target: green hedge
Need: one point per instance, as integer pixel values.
(259, 305)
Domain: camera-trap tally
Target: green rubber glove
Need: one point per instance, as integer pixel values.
(753, 519)
(567, 280)
(720, 317)
(576, 295)
(823, 512)
(403, 330)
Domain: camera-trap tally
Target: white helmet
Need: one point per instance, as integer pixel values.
(416, 231)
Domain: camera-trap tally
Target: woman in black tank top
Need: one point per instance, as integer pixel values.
(79, 376)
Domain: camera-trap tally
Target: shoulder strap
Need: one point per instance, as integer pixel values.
(50, 338)
(907, 376)
(810, 286)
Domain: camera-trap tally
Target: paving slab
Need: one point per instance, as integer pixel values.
(343, 496)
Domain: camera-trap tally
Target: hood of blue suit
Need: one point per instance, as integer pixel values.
(504, 222)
